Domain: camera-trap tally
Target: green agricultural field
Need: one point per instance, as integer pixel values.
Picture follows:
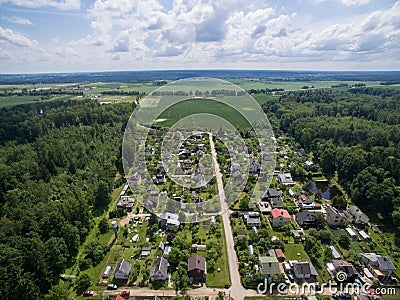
(18, 100)
(195, 106)
(99, 87)
(247, 84)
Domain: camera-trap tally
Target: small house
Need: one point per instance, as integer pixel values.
(380, 266)
(304, 270)
(356, 216)
(346, 267)
(169, 220)
(252, 219)
(269, 265)
(254, 167)
(285, 178)
(123, 270)
(159, 270)
(333, 216)
(280, 217)
(274, 197)
(305, 218)
(197, 268)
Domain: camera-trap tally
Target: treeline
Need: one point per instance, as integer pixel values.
(44, 93)
(122, 93)
(265, 91)
(56, 172)
(354, 132)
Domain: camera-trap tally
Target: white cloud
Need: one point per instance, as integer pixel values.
(15, 38)
(57, 4)
(18, 20)
(129, 34)
(354, 2)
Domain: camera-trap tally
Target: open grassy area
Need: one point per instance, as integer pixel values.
(195, 106)
(292, 252)
(222, 278)
(18, 100)
(247, 84)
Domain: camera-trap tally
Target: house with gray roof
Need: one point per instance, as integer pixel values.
(123, 270)
(380, 266)
(305, 218)
(274, 197)
(285, 178)
(333, 216)
(356, 215)
(159, 270)
(304, 270)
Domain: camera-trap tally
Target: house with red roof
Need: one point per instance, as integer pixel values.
(279, 217)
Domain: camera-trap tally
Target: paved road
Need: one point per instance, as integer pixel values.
(146, 292)
(237, 291)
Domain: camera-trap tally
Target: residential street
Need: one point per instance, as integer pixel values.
(237, 291)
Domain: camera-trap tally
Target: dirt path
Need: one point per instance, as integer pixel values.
(236, 291)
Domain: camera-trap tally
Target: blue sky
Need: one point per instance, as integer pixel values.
(106, 35)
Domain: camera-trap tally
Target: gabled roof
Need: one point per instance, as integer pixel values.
(123, 270)
(197, 262)
(304, 268)
(277, 212)
(385, 263)
(273, 193)
(160, 266)
(331, 211)
(345, 266)
(305, 216)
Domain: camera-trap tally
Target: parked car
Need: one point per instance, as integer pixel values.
(88, 293)
(196, 285)
(125, 293)
(112, 286)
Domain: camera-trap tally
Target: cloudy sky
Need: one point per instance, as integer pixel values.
(105, 35)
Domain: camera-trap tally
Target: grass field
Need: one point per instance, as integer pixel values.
(194, 106)
(18, 100)
(292, 251)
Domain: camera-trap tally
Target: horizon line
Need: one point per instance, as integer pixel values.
(191, 70)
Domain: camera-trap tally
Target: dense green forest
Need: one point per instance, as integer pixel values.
(57, 166)
(355, 133)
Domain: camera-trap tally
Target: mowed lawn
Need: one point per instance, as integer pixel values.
(292, 252)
